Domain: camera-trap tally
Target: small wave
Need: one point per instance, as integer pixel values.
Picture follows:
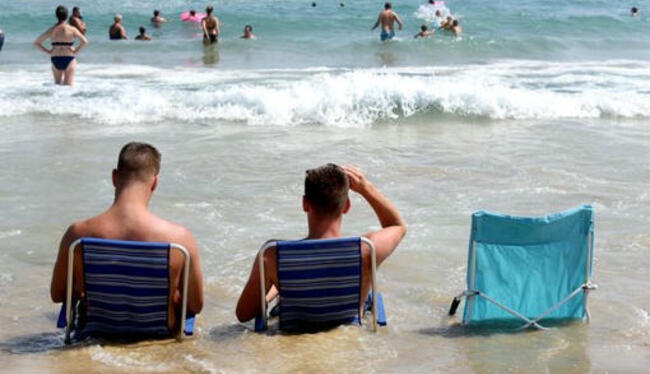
(10, 233)
(344, 98)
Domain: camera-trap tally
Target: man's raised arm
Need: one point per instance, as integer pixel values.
(393, 225)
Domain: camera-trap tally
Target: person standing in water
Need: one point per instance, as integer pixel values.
(77, 20)
(210, 25)
(62, 52)
(143, 35)
(157, 19)
(387, 19)
(248, 33)
(634, 11)
(2, 39)
(117, 30)
(424, 32)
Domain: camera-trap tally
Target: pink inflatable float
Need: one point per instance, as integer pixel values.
(187, 17)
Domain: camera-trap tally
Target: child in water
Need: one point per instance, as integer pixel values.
(424, 32)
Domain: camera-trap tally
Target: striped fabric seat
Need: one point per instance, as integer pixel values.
(127, 287)
(320, 283)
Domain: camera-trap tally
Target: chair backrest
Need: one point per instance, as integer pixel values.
(529, 264)
(127, 286)
(319, 282)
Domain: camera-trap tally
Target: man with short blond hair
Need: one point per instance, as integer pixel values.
(128, 218)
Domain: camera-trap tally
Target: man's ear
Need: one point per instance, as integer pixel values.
(346, 207)
(154, 185)
(114, 177)
(306, 207)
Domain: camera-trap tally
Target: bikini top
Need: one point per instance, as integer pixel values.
(69, 44)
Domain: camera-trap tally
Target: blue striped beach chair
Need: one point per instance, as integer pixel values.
(126, 289)
(528, 269)
(320, 284)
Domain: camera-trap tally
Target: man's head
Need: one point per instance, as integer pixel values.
(424, 28)
(326, 191)
(209, 9)
(438, 14)
(455, 23)
(192, 12)
(118, 18)
(248, 29)
(76, 12)
(61, 13)
(634, 11)
(388, 5)
(156, 13)
(432, 2)
(142, 30)
(137, 162)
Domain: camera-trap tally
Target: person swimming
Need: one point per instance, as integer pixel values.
(387, 19)
(77, 21)
(424, 32)
(634, 11)
(455, 28)
(117, 31)
(447, 23)
(62, 54)
(157, 19)
(143, 35)
(248, 33)
(210, 25)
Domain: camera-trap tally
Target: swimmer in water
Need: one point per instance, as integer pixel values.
(248, 33)
(387, 19)
(77, 21)
(455, 28)
(117, 31)
(210, 25)
(143, 35)
(313, 5)
(424, 32)
(62, 54)
(157, 19)
(634, 11)
(447, 23)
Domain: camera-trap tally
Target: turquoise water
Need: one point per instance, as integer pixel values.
(295, 35)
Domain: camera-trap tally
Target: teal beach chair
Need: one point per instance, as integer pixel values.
(320, 284)
(126, 289)
(528, 269)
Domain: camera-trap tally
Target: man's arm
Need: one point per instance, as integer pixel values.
(248, 306)
(195, 282)
(398, 20)
(204, 27)
(217, 28)
(60, 272)
(393, 225)
(376, 23)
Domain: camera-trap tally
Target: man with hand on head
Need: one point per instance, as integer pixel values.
(325, 202)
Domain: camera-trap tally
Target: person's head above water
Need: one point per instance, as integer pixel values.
(118, 18)
(424, 28)
(432, 2)
(137, 163)
(209, 10)
(313, 4)
(142, 30)
(61, 13)
(76, 12)
(248, 28)
(192, 12)
(156, 13)
(388, 5)
(326, 191)
(634, 11)
(438, 14)
(455, 23)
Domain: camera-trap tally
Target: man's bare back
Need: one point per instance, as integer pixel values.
(129, 219)
(387, 19)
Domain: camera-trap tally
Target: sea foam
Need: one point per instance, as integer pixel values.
(127, 94)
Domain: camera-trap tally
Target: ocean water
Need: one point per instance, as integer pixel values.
(538, 107)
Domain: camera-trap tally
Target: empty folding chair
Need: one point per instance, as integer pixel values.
(528, 269)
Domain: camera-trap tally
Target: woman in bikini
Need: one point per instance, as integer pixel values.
(62, 53)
